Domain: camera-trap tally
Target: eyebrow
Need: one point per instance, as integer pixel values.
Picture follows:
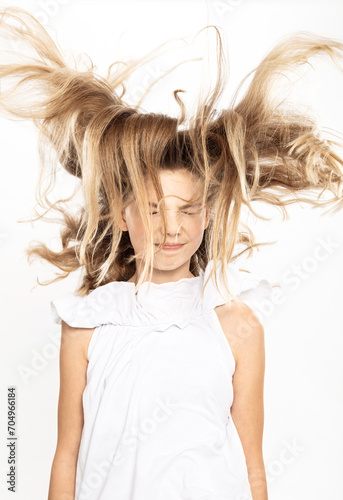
(182, 206)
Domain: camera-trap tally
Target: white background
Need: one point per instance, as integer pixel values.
(303, 438)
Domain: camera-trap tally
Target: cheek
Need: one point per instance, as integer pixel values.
(195, 227)
(136, 230)
(139, 232)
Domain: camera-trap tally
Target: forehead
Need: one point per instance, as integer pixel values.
(178, 185)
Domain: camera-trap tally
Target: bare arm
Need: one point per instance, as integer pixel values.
(246, 337)
(73, 373)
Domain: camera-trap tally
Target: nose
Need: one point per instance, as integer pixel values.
(173, 224)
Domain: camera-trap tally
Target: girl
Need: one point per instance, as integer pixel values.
(162, 344)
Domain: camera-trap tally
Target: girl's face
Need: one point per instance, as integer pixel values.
(185, 225)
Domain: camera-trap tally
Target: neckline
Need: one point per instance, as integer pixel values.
(163, 284)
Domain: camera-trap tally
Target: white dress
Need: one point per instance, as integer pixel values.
(157, 422)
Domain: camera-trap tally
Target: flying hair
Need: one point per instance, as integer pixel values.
(258, 149)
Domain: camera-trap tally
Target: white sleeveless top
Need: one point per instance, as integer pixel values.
(157, 422)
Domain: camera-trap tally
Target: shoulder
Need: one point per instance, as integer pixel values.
(76, 339)
(242, 328)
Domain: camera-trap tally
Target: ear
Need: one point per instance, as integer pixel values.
(207, 216)
(123, 225)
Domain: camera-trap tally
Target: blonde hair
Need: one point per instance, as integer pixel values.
(255, 150)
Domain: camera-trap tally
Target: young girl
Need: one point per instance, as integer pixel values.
(162, 345)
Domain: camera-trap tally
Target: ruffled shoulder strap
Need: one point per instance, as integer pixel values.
(70, 308)
(92, 310)
(252, 288)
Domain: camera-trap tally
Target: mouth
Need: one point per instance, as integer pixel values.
(170, 247)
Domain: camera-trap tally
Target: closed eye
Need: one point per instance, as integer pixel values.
(187, 213)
